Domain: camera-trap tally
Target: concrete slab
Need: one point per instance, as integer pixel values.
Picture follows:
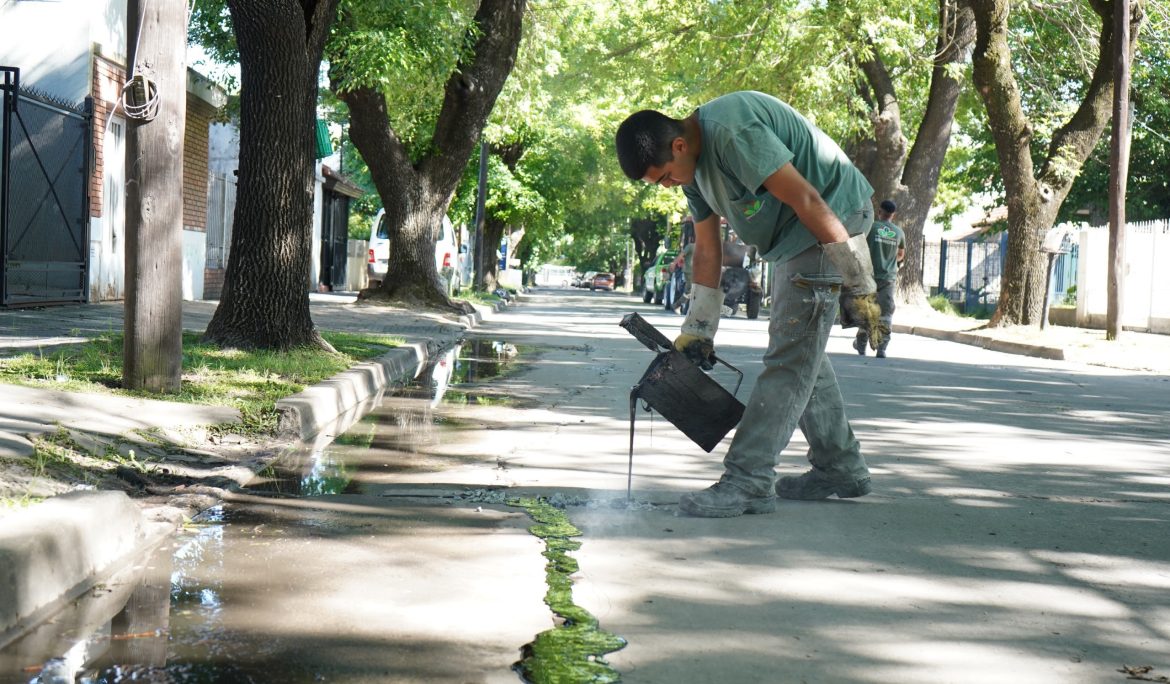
(53, 552)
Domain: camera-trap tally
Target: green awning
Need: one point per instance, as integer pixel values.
(324, 146)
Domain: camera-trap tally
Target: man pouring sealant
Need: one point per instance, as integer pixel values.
(788, 189)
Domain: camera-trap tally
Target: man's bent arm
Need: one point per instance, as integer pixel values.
(707, 259)
(788, 186)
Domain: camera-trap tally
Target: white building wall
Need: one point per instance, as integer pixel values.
(51, 42)
(194, 258)
(1146, 287)
(318, 199)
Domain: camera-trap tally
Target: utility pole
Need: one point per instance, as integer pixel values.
(155, 105)
(1118, 170)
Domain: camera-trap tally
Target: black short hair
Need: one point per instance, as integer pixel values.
(888, 206)
(643, 140)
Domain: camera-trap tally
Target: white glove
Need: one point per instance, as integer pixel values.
(703, 316)
(851, 258)
(696, 340)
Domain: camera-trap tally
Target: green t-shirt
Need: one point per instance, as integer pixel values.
(748, 136)
(885, 239)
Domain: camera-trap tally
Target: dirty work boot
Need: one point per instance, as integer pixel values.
(723, 500)
(818, 484)
(860, 343)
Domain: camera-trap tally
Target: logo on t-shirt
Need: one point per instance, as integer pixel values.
(752, 209)
(886, 234)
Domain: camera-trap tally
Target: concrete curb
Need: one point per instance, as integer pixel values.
(1020, 348)
(58, 550)
(302, 415)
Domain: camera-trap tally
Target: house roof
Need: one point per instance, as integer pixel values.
(205, 89)
(340, 184)
(979, 226)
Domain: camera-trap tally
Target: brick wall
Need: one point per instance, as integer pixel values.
(213, 283)
(195, 151)
(108, 78)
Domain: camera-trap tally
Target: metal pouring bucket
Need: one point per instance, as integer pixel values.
(688, 398)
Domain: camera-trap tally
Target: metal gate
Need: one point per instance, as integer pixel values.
(968, 271)
(334, 240)
(44, 196)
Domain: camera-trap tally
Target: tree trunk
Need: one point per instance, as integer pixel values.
(924, 163)
(1034, 199)
(647, 236)
(415, 195)
(911, 178)
(265, 302)
(493, 233)
(153, 343)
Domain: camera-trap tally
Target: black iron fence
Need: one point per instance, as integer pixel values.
(44, 196)
(967, 272)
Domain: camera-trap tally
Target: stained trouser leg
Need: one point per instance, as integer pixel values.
(832, 446)
(804, 306)
(885, 300)
(796, 375)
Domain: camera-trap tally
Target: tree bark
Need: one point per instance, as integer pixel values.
(153, 343)
(647, 236)
(493, 233)
(265, 302)
(924, 163)
(415, 195)
(1033, 199)
(910, 178)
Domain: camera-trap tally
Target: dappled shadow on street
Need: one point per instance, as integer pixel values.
(1015, 532)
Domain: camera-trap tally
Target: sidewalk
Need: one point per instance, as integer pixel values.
(1134, 351)
(53, 552)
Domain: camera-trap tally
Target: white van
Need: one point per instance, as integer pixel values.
(445, 253)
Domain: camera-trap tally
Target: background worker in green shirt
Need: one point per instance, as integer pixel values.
(790, 191)
(887, 249)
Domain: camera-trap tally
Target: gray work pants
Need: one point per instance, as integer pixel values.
(797, 386)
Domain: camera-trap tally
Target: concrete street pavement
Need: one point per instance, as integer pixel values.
(891, 598)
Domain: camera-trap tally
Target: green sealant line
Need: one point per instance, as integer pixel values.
(573, 652)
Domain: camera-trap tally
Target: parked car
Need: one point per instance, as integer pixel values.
(445, 253)
(657, 276)
(602, 281)
(585, 280)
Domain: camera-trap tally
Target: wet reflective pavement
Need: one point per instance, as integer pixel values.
(323, 569)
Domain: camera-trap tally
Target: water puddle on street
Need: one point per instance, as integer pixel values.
(298, 579)
(403, 437)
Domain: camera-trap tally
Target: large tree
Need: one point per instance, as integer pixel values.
(416, 182)
(265, 302)
(909, 174)
(1035, 188)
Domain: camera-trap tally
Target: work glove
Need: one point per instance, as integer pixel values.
(864, 312)
(696, 339)
(852, 260)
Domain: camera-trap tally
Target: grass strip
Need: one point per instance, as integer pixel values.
(250, 381)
